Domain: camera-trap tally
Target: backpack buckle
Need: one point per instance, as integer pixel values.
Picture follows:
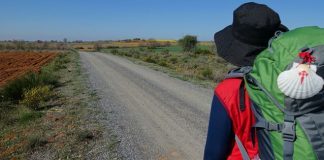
(289, 131)
(274, 126)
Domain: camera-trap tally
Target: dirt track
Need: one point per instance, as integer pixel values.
(155, 116)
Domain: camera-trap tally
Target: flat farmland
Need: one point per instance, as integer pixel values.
(15, 64)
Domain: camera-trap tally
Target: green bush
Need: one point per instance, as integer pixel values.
(36, 141)
(128, 54)
(202, 51)
(165, 52)
(14, 89)
(149, 59)
(34, 96)
(59, 63)
(188, 43)
(25, 117)
(162, 63)
(85, 135)
(173, 60)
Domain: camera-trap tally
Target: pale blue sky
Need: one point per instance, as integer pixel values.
(121, 19)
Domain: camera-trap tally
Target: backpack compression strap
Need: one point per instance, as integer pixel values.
(242, 149)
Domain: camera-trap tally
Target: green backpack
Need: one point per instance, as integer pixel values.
(289, 124)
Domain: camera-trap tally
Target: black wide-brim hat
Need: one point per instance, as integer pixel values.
(253, 26)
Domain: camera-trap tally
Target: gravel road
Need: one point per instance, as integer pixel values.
(153, 115)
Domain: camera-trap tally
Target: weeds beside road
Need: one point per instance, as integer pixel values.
(201, 67)
(52, 115)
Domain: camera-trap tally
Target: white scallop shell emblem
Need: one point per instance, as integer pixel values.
(300, 82)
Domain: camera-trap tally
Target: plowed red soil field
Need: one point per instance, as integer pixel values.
(13, 65)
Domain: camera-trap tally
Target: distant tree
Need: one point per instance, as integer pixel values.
(188, 43)
(65, 40)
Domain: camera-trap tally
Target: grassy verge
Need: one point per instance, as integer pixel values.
(62, 125)
(200, 67)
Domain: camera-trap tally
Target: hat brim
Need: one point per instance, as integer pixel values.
(235, 51)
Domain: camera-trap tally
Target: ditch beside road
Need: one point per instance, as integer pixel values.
(153, 115)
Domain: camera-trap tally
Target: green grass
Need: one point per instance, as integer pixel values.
(35, 141)
(28, 115)
(172, 48)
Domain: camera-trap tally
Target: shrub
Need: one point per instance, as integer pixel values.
(188, 43)
(58, 64)
(163, 63)
(174, 60)
(36, 141)
(33, 97)
(134, 53)
(165, 52)
(27, 116)
(149, 59)
(203, 51)
(128, 54)
(14, 90)
(85, 135)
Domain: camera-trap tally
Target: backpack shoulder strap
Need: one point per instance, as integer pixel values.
(240, 73)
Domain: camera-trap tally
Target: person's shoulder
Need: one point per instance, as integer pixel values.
(228, 88)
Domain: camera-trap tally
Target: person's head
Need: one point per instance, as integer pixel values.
(253, 25)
